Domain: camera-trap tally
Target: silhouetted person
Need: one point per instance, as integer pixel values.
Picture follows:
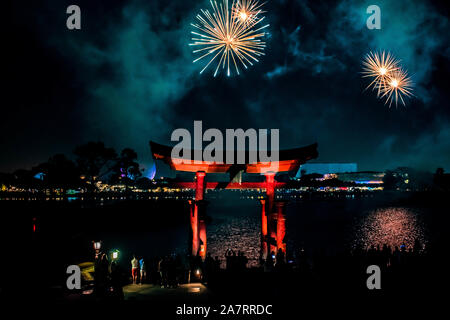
(164, 267)
(302, 261)
(159, 269)
(395, 259)
(143, 270)
(241, 261)
(209, 266)
(386, 255)
(280, 259)
(101, 275)
(229, 256)
(268, 265)
(116, 281)
(216, 263)
(171, 272)
(179, 269)
(134, 269)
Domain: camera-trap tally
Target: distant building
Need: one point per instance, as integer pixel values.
(326, 168)
(364, 178)
(408, 179)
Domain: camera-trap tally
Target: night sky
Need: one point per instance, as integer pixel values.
(127, 77)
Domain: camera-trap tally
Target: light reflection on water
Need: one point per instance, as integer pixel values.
(391, 226)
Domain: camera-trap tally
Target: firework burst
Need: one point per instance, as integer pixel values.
(247, 11)
(227, 38)
(379, 66)
(397, 86)
(389, 79)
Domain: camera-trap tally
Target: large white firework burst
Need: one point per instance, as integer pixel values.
(378, 66)
(228, 37)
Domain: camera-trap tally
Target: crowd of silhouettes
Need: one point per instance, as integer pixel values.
(210, 267)
(235, 261)
(402, 266)
(108, 277)
(169, 271)
(383, 256)
(172, 270)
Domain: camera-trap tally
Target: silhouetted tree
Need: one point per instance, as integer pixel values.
(6, 179)
(441, 180)
(144, 183)
(94, 159)
(126, 168)
(420, 180)
(24, 179)
(390, 181)
(59, 172)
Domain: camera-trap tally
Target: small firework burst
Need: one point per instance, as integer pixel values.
(227, 39)
(378, 66)
(389, 79)
(247, 12)
(397, 86)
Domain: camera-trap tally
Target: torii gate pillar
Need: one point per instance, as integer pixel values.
(281, 225)
(197, 216)
(264, 247)
(267, 224)
(273, 220)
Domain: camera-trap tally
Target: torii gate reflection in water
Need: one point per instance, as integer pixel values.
(273, 218)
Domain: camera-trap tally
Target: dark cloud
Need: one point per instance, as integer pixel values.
(128, 77)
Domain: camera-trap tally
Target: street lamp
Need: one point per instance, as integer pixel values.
(115, 254)
(97, 246)
(198, 274)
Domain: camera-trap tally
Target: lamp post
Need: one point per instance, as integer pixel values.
(97, 246)
(115, 255)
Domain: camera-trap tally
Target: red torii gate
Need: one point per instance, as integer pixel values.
(273, 216)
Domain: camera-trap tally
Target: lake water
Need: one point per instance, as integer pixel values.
(330, 225)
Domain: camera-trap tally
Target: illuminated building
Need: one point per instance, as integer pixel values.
(362, 178)
(326, 168)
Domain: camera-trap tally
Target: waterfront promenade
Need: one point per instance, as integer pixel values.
(192, 292)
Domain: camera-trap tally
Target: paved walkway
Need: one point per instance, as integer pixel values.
(184, 292)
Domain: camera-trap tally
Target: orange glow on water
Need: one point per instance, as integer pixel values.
(390, 226)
